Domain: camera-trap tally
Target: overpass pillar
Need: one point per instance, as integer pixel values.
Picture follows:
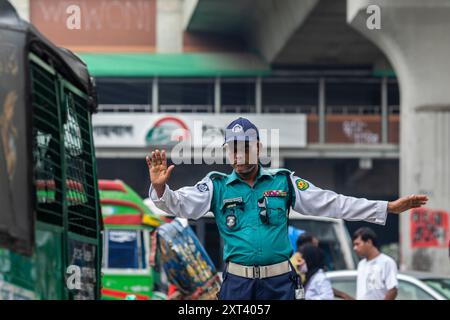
(415, 37)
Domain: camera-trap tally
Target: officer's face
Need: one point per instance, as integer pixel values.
(243, 155)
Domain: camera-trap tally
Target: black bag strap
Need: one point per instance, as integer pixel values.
(290, 192)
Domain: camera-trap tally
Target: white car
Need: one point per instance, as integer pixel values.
(423, 286)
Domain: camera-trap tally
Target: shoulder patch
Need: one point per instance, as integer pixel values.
(202, 187)
(301, 184)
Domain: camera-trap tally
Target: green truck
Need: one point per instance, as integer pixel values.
(50, 221)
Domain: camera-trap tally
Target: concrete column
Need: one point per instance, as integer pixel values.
(415, 36)
(22, 7)
(384, 111)
(322, 113)
(155, 95)
(217, 95)
(258, 95)
(169, 26)
(189, 7)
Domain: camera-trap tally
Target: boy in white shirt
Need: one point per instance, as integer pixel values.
(377, 272)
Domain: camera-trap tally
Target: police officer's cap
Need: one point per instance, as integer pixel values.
(241, 129)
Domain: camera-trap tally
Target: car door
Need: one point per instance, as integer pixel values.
(345, 284)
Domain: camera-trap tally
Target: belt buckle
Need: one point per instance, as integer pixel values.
(256, 272)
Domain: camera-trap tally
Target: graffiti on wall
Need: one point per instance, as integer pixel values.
(429, 228)
(358, 132)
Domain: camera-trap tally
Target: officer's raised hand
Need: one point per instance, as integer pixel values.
(159, 173)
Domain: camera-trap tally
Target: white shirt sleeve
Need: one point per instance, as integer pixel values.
(390, 277)
(325, 203)
(188, 202)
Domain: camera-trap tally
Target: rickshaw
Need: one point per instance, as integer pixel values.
(50, 223)
(145, 251)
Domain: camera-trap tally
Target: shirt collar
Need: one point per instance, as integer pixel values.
(261, 173)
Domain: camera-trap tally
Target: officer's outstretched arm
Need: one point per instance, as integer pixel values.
(311, 200)
(188, 202)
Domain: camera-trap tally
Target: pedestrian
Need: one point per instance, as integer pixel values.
(306, 238)
(296, 260)
(251, 207)
(377, 272)
(317, 285)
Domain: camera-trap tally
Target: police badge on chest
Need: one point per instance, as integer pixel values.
(231, 220)
(230, 205)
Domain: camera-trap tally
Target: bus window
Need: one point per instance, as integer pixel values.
(125, 250)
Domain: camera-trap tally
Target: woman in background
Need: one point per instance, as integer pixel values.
(317, 285)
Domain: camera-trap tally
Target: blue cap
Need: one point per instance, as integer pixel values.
(241, 129)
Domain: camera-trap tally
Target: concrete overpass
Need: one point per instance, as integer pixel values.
(287, 32)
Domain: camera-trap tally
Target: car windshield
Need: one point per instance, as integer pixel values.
(329, 242)
(440, 285)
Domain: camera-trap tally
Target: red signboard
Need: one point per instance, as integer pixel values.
(104, 25)
(429, 228)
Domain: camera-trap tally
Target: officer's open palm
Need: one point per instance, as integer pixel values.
(406, 203)
(157, 167)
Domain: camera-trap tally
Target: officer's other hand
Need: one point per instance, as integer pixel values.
(297, 261)
(159, 173)
(406, 203)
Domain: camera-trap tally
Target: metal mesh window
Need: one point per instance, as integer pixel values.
(64, 169)
(46, 146)
(80, 196)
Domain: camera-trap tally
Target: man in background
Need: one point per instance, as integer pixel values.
(377, 272)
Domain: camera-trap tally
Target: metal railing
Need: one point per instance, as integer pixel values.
(186, 108)
(124, 108)
(307, 109)
(394, 109)
(353, 109)
(238, 108)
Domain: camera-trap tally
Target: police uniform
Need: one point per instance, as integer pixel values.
(253, 222)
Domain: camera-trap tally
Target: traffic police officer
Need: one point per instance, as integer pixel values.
(251, 207)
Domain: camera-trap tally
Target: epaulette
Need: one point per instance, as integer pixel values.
(216, 175)
(274, 171)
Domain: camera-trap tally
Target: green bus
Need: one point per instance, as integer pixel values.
(50, 221)
(130, 266)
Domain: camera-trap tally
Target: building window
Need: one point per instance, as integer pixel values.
(358, 97)
(393, 97)
(124, 94)
(190, 95)
(238, 97)
(290, 97)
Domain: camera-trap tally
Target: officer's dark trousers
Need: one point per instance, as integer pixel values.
(281, 287)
